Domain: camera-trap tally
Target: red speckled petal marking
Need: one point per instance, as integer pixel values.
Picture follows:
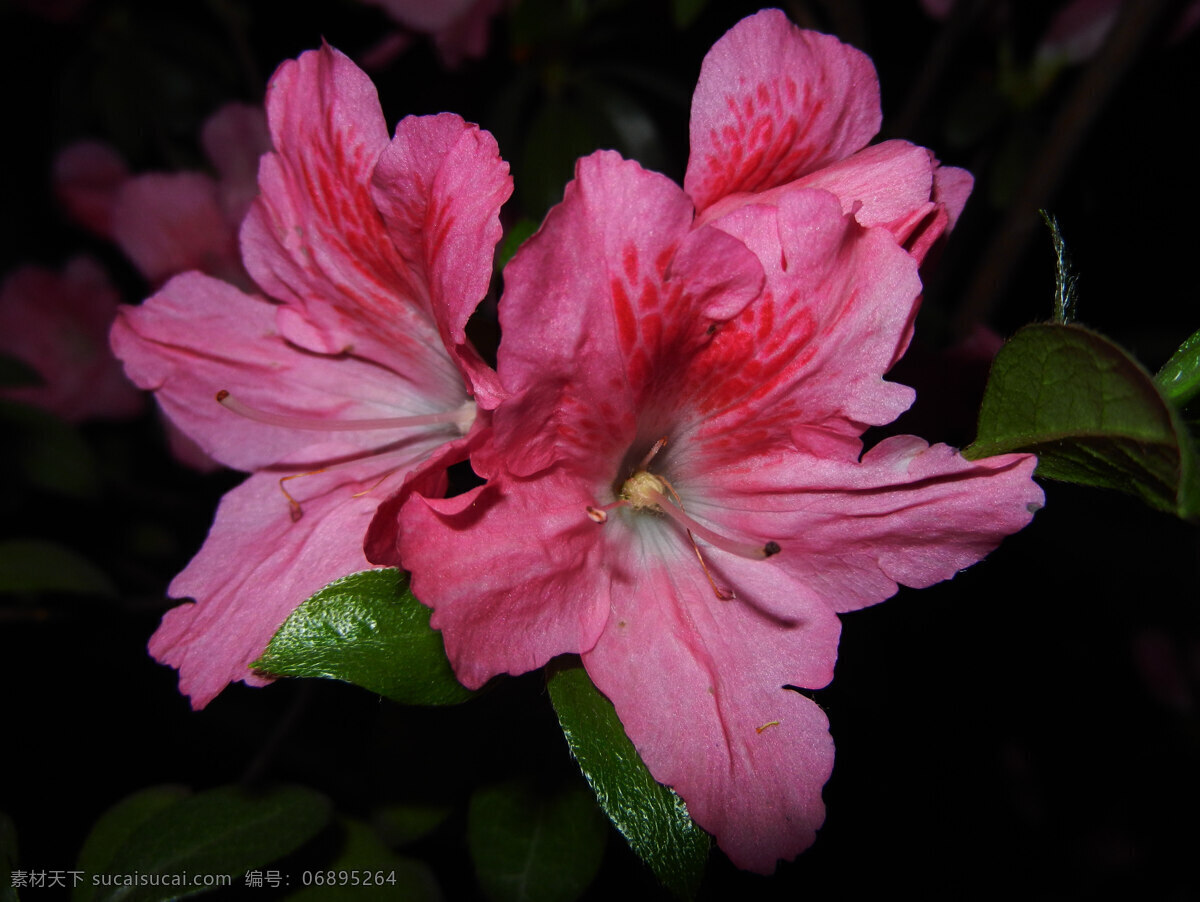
(773, 103)
(314, 239)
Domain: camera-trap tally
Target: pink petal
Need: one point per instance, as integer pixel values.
(773, 103)
(172, 223)
(256, 567)
(199, 335)
(699, 686)
(439, 186)
(952, 187)
(882, 184)
(516, 573)
(184, 449)
(804, 364)
(314, 238)
(611, 304)
(850, 532)
(429, 478)
(58, 325)
(86, 178)
(234, 137)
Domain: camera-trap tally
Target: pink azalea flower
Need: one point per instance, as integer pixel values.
(169, 223)
(372, 254)
(676, 485)
(58, 324)
(779, 109)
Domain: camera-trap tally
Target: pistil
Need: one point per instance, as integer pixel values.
(742, 549)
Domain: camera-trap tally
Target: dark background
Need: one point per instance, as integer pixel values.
(1029, 728)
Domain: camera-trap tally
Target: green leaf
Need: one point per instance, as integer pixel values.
(369, 630)
(29, 565)
(399, 825)
(113, 830)
(8, 858)
(366, 870)
(529, 846)
(224, 831)
(650, 816)
(1179, 379)
(1093, 416)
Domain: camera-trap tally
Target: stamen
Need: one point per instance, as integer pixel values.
(658, 446)
(296, 510)
(462, 418)
(600, 514)
(741, 549)
(722, 594)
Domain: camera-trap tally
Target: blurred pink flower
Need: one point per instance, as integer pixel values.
(372, 254)
(1078, 28)
(459, 28)
(168, 223)
(58, 325)
(676, 486)
(937, 9)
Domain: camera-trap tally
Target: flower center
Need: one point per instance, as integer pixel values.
(642, 490)
(646, 491)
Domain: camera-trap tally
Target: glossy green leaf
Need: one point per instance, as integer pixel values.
(1093, 416)
(114, 829)
(366, 870)
(369, 630)
(650, 816)
(30, 565)
(8, 858)
(530, 846)
(227, 831)
(1179, 379)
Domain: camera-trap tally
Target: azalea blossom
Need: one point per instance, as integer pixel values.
(780, 109)
(676, 485)
(57, 323)
(348, 369)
